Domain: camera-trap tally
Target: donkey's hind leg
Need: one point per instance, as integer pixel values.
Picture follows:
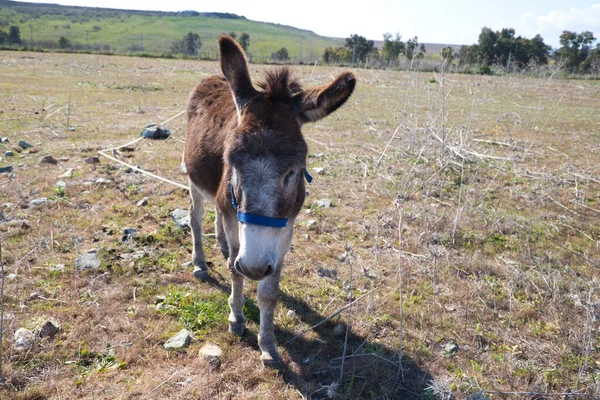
(196, 215)
(221, 236)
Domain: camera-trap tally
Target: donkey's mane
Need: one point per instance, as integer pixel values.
(280, 84)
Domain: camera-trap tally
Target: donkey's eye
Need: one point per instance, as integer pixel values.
(289, 176)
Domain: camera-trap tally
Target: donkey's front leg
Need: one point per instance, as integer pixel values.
(268, 293)
(228, 236)
(196, 215)
(237, 321)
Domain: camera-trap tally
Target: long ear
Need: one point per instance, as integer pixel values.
(315, 103)
(235, 69)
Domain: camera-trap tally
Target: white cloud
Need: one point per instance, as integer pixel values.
(551, 25)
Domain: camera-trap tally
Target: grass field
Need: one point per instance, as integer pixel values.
(464, 222)
(153, 32)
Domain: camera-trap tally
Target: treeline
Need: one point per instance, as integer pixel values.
(495, 50)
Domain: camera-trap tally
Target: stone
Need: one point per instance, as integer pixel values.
(17, 223)
(24, 339)
(60, 268)
(102, 180)
(323, 203)
(12, 277)
(181, 218)
(6, 169)
(319, 170)
(40, 201)
(450, 348)
(142, 202)
(212, 354)
(3, 140)
(291, 314)
(88, 260)
(136, 255)
(311, 222)
(128, 234)
(60, 185)
(34, 296)
(92, 160)
(338, 330)
(49, 160)
(179, 341)
(67, 174)
(50, 328)
(160, 299)
(24, 145)
(153, 131)
(9, 153)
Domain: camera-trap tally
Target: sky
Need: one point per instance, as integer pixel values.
(433, 21)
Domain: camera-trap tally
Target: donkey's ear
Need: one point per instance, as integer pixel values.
(315, 103)
(235, 69)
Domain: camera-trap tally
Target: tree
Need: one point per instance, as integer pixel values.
(591, 65)
(280, 55)
(486, 46)
(14, 35)
(64, 43)
(191, 44)
(538, 50)
(359, 46)
(414, 50)
(448, 54)
(575, 48)
(232, 34)
(244, 41)
(469, 54)
(505, 48)
(392, 48)
(3, 37)
(337, 55)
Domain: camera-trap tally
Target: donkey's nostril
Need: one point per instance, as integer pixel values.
(269, 271)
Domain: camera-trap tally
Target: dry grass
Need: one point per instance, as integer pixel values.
(496, 180)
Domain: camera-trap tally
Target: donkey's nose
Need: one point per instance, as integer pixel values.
(256, 273)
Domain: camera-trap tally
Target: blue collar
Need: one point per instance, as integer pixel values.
(247, 218)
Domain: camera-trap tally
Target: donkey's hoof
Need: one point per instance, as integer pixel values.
(237, 328)
(272, 361)
(201, 274)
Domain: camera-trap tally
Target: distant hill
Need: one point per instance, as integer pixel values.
(153, 32)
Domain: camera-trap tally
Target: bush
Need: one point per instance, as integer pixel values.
(280, 55)
(64, 43)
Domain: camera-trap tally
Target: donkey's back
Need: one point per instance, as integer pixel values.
(211, 113)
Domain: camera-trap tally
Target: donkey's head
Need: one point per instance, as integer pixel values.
(265, 155)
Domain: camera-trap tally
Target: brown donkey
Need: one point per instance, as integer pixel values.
(245, 152)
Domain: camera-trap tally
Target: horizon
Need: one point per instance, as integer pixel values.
(429, 21)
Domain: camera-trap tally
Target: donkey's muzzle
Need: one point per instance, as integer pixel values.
(255, 273)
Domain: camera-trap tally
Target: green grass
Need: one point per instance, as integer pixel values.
(195, 311)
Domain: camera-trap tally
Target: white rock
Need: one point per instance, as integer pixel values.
(212, 353)
(24, 339)
(68, 173)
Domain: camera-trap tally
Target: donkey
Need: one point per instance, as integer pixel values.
(245, 153)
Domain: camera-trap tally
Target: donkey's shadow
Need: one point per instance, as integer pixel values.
(313, 361)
